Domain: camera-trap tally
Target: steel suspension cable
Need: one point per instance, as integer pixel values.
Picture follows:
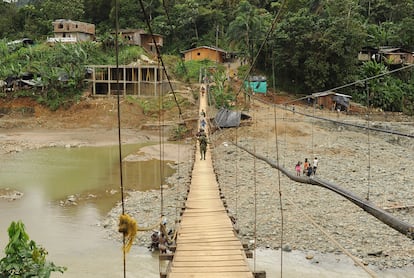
(161, 160)
(159, 57)
(329, 236)
(334, 121)
(269, 32)
(313, 126)
(255, 197)
(236, 177)
(357, 82)
(161, 119)
(119, 129)
(280, 192)
(161, 154)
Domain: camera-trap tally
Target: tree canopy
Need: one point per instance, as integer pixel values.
(313, 46)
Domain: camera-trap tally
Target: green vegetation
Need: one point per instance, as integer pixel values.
(152, 106)
(313, 46)
(178, 132)
(59, 70)
(23, 257)
(222, 94)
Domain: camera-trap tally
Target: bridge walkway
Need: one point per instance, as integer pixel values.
(206, 244)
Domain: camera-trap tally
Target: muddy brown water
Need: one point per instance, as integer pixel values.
(66, 192)
(53, 179)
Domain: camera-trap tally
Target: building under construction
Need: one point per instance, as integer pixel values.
(133, 79)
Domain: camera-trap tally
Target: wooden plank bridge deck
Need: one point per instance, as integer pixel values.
(206, 244)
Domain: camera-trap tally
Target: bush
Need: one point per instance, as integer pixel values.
(178, 132)
(23, 257)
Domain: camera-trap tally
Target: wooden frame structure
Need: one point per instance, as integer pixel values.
(134, 79)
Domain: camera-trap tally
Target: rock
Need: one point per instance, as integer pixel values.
(287, 248)
(309, 256)
(375, 253)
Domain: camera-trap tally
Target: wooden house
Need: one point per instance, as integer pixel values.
(386, 55)
(141, 38)
(205, 52)
(332, 100)
(367, 54)
(396, 56)
(69, 31)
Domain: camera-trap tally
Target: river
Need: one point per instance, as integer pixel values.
(67, 191)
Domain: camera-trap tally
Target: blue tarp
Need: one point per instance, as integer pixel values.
(257, 84)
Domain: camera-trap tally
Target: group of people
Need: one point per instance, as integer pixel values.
(308, 169)
(202, 136)
(161, 239)
(202, 139)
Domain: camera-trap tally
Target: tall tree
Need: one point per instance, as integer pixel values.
(9, 12)
(314, 52)
(248, 29)
(56, 9)
(97, 11)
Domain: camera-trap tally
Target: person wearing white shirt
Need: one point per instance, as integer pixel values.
(315, 165)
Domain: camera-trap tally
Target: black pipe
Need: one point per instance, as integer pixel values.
(403, 227)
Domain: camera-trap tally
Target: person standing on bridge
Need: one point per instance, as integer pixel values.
(203, 123)
(203, 146)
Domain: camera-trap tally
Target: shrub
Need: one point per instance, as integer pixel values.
(23, 257)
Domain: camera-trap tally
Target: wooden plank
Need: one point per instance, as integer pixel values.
(228, 245)
(202, 258)
(212, 275)
(206, 244)
(209, 264)
(206, 248)
(204, 229)
(210, 269)
(209, 234)
(207, 239)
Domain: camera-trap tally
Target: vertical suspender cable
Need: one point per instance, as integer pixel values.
(255, 198)
(369, 140)
(237, 174)
(161, 159)
(236, 178)
(119, 126)
(313, 122)
(280, 194)
(285, 137)
(160, 138)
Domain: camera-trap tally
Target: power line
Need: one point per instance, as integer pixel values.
(357, 82)
(272, 27)
(159, 57)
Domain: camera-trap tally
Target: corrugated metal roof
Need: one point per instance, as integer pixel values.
(329, 93)
(208, 47)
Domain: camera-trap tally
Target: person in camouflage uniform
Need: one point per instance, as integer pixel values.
(203, 146)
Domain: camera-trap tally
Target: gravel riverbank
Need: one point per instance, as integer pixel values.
(315, 220)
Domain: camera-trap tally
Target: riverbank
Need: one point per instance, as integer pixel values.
(315, 220)
(374, 164)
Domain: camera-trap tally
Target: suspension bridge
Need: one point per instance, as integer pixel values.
(206, 244)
